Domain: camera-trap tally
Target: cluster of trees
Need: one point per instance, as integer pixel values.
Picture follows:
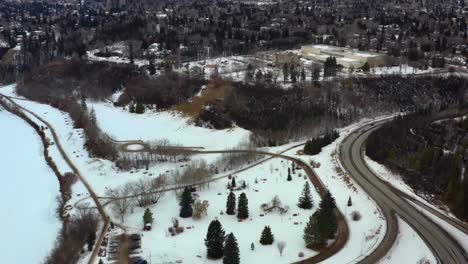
(242, 205)
(75, 234)
(322, 224)
(220, 246)
(315, 145)
(143, 192)
(330, 67)
(429, 155)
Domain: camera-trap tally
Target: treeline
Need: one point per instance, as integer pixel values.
(315, 145)
(97, 143)
(430, 155)
(278, 115)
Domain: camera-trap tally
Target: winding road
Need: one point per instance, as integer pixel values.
(444, 247)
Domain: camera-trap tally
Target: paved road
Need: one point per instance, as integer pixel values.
(444, 247)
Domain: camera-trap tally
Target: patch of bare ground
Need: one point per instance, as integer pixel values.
(215, 90)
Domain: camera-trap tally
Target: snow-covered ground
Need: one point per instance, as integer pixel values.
(396, 181)
(408, 248)
(157, 246)
(189, 246)
(29, 189)
(120, 124)
(459, 236)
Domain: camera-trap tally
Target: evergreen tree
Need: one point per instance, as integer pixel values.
(305, 201)
(366, 67)
(186, 201)
(350, 203)
(233, 182)
(327, 213)
(148, 216)
(267, 237)
(243, 207)
(313, 232)
(285, 73)
(100, 261)
(140, 108)
(303, 75)
(252, 246)
(91, 239)
(214, 240)
(231, 204)
(231, 250)
(289, 175)
(151, 67)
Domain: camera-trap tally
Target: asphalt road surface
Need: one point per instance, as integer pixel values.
(444, 246)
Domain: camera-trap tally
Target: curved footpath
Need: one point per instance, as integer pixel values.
(444, 247)
(337, 245)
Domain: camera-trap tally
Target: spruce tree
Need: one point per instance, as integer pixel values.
(231, 204)
(231, 250)
(350, 203)
(233, 182)
(214, 240)
(267, 237)
(289, 175)
(305, 201)
(314, 234)
(327, 206)
(148, 216)
(186, 201)
(243, 207)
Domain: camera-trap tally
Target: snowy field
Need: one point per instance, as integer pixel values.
(271, 177)
(408, 248)
(189, 246)
(29, 192)
(120, 124)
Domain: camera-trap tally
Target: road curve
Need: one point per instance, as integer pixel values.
(444, 247)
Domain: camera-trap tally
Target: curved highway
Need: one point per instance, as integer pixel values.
(443, 246)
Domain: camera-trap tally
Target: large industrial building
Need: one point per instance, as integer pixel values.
(344, 56)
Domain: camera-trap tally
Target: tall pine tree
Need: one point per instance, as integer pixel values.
(214, 240)
(314, 234)
(267, 237)
(243, 207)
(186, 201)
(231, 250)
(327, 211)
(231, 204)
(305, 201)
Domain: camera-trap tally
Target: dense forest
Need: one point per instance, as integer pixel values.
(429, 152)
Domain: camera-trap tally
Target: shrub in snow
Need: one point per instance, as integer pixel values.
(281, 245)
(200, 209)
(148, 217)
(356, 216)
(301, 254)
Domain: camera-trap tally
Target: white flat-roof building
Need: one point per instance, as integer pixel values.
(344, 56)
